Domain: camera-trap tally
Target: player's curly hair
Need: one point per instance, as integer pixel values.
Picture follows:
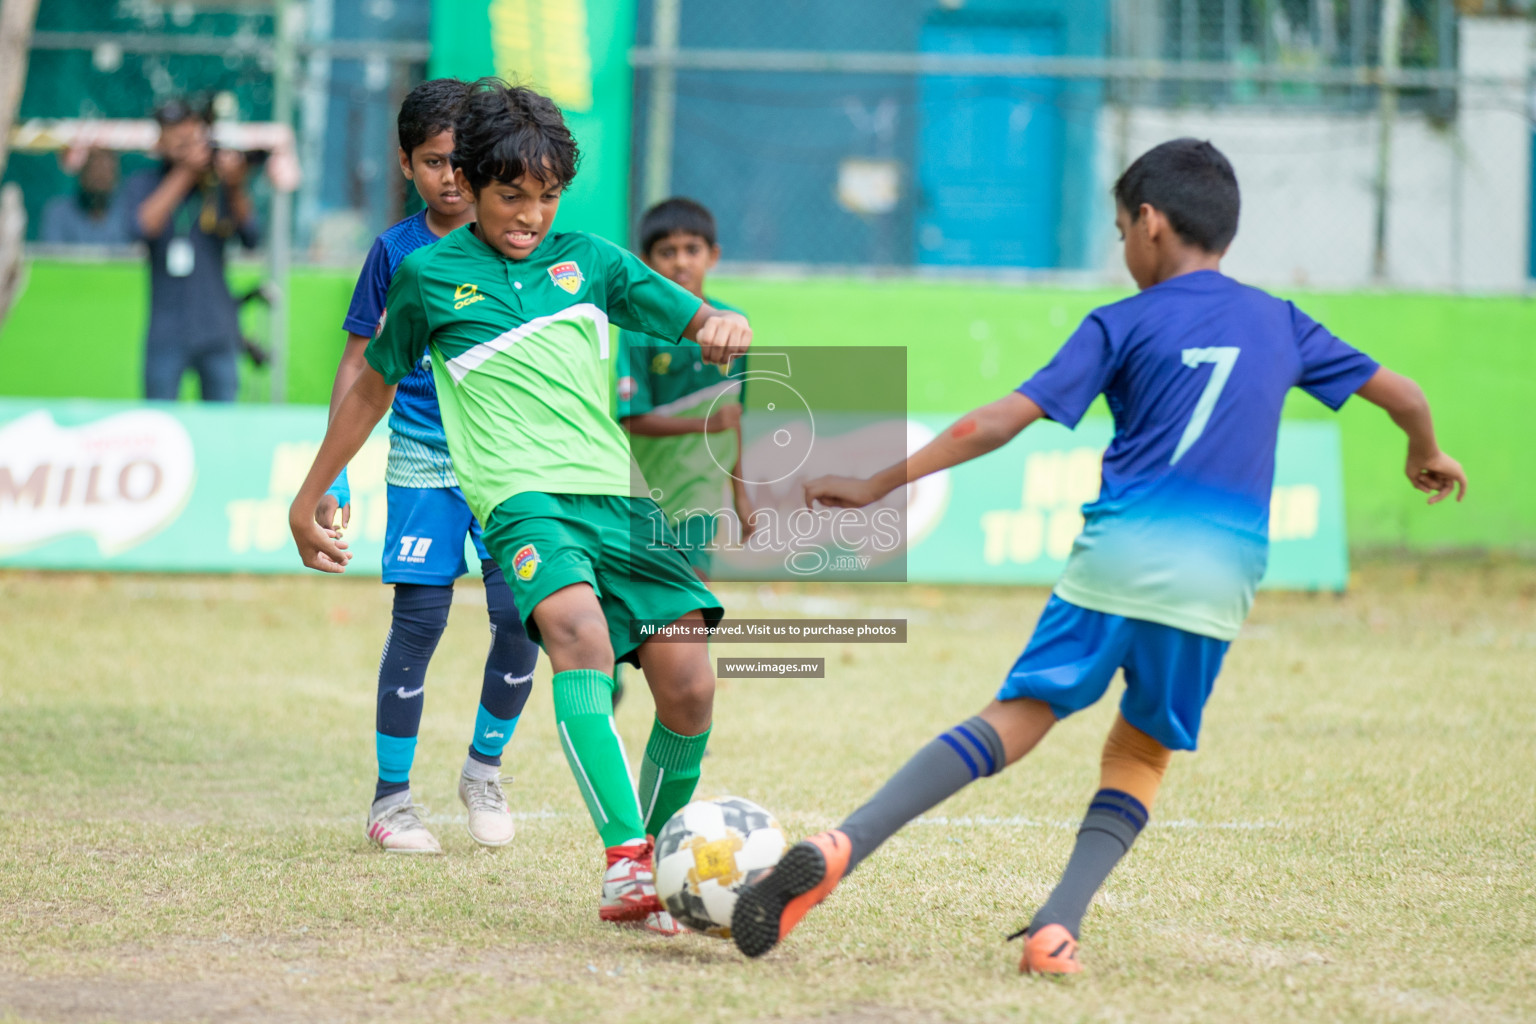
(506, 131)
(428, 110)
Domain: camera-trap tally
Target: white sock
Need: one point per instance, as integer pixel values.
(479, 771)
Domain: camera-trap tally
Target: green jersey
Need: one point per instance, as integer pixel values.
(518, 349)
(689, 470)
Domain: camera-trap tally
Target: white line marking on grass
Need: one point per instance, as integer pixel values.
(1241, 826)
(1019, 821)
(940, 821)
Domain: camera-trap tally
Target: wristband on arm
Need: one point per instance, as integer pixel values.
(341, 490)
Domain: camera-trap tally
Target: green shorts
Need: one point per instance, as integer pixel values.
(696, 538)
(620, 546)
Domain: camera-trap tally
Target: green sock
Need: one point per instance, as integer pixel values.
(584, 716)
(669, 773)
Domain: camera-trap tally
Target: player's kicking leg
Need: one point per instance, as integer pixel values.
(980, 746)
(503, 693)
(683, 686)
(1131, 771)
(574, 632)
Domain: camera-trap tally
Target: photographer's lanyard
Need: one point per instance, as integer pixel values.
(180, 256)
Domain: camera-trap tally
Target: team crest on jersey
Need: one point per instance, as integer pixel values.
(567, 275)
(662, 363)
(526, 562)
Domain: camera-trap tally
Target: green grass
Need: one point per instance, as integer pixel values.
(186, 763)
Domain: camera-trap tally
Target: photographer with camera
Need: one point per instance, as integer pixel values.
(186, 210)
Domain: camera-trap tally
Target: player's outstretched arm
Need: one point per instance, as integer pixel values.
(722, 335)
(975, 434)
(352, 363)
(364, 405)
(1428, 468)
(727, 416)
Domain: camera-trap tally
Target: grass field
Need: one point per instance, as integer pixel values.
(185, 765)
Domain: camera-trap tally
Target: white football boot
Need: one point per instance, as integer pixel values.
(397, 828)
(490, 823)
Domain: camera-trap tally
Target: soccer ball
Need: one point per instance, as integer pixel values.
(706, 852)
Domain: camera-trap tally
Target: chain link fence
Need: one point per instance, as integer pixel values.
(1375, 139)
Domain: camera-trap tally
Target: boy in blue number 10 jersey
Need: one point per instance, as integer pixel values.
(428, 520)
(1195, 369)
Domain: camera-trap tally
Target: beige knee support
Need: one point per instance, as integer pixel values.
(1133, 762)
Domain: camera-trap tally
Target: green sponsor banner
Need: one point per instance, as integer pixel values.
(177, 487)
(1011, 517)
(576, 53)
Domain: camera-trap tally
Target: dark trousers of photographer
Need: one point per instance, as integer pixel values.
(166, 360)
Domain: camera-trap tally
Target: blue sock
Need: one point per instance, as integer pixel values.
(508, 670)
(420, 616)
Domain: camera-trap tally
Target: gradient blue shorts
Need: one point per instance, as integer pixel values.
(424, 536)
(1074, 653)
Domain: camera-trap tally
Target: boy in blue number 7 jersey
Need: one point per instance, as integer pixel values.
(428, 521)
(1195, 369)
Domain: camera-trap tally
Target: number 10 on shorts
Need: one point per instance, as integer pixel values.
(420, 546)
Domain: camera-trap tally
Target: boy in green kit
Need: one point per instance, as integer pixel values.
(515, 321)
(683, 414)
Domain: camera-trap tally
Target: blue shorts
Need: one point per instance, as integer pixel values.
(424, 538)
(1074, 653)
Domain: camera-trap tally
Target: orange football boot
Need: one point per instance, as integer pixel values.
(1051, 950)
(769, 909)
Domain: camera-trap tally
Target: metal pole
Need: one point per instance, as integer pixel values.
(1389, 59)
(314, 103)
(1231, 40)
(1189, 41)
(279, 232)
(16, 20)
(663, 106)
(1358, 18)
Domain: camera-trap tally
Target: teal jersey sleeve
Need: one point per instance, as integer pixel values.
(634, 374)
(401, 338)
(638, 298)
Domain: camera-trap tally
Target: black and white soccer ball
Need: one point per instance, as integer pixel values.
(706, 852)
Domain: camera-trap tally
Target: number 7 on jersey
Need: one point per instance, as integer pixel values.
(1223, 357)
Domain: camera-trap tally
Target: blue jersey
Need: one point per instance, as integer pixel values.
(418, 450)
(1195, 371)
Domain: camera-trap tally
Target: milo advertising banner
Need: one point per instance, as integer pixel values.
(169, 487)
(177, 487)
